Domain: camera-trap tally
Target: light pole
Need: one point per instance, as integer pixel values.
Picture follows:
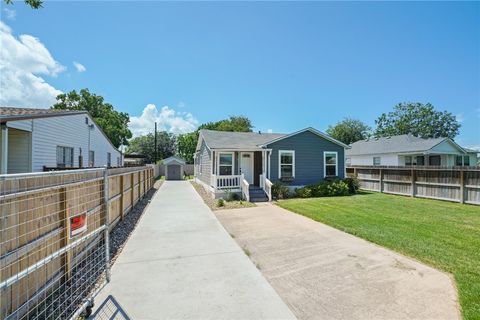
(155, 144)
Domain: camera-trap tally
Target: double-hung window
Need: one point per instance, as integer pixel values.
(225, 163)
(64, 157)
(286, 166)
(466, 161)
(330, 160)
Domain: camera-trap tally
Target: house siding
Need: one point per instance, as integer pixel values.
(204, 172)
(309, 149)
(68, 131)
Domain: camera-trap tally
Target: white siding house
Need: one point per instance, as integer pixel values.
(407, 150)
(32, 139)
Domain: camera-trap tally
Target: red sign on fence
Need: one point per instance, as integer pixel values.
(78, 224)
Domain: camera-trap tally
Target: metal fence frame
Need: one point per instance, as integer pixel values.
(19, 191)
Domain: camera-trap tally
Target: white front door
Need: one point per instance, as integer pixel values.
(246, 166)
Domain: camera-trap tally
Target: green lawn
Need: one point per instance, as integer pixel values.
(442, 234)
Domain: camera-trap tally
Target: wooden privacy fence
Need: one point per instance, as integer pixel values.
(54, 230)
(458, 184)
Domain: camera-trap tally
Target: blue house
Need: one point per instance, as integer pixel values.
(248, 162)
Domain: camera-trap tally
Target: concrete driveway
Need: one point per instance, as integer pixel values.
(181, 264)
(323, 273)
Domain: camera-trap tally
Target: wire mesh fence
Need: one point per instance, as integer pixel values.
(54, 246)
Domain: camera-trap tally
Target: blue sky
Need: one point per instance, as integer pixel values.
(285, 65)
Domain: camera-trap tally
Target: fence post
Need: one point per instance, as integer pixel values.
(121, 198)
(66, 231)
(381, 180)
(132, 188)
(107, 224)
(462, 186)
(413, 183)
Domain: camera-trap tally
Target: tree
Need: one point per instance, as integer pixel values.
(113, 123)
(187, 143)
(233, 123)
(349, 131)
(35, 4)
(144, 145)
(420, 120)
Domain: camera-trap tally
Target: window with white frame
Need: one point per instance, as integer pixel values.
(64, 157)
(330, 163)
(286, 167)
(408, 160)
(225, 163)
(377, 161)
(348, 162)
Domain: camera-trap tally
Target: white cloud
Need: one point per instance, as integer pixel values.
(22, 60)
(475, 147)
(80, 67)
(10, 14)
(167, 120)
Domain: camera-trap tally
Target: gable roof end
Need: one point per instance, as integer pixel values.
(312, 130)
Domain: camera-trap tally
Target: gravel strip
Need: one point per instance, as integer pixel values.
(212, 203)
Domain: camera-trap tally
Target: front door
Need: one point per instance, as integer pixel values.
(246, 166)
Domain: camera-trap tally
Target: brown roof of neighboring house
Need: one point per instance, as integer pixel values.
(13, 114)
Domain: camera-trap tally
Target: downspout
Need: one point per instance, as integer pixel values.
(4, 166)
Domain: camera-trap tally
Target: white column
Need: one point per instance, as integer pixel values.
(4, 167)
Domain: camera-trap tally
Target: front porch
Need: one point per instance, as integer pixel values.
(243, 172)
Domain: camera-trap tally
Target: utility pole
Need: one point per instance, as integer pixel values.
(155, 143)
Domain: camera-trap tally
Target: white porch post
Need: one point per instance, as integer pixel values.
(4, 167)
(269, 162)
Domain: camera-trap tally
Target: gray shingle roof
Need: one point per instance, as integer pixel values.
(12, 113)
(394, 144)
(237, 140)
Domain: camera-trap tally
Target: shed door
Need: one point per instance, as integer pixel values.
(174, 172)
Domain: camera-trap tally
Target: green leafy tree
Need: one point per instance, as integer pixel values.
(233, 123)
(144, 145)
(187, 143)
(349, 131)
(35, 4)
(420, 120)
(112, 122)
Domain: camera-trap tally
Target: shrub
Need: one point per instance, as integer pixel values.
(336, 188)
(279, 190)
(220, 202)
(353, 185)
(304, 192)
(232, 196)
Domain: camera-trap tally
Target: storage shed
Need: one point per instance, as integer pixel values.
(174, 168)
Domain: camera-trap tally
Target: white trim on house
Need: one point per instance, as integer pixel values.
(218, 161)
(312, 130)
(325, 163)
(280, 162)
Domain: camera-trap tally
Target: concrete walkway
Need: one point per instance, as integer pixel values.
(324, 273)
(181, 264)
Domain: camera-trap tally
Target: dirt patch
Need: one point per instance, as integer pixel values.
(213, 203)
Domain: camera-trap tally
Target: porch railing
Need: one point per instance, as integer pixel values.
(245, 188)
(226, 182)
(266, 185)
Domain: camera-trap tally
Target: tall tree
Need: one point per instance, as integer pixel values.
(112, 122)
(421, 120)
(35, 4)
(186, 143)
(145, 145)
(349, 131)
